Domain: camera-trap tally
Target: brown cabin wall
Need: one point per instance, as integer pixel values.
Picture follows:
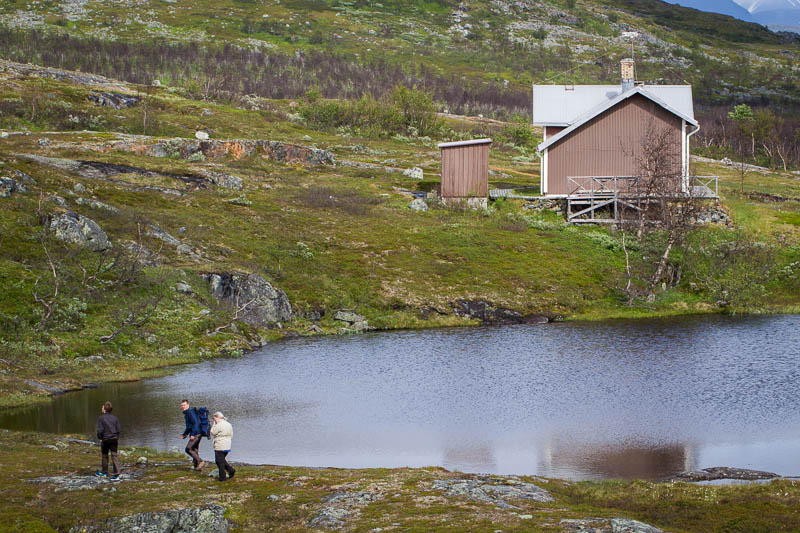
(549, 131)
(607, 145)
(465, 171)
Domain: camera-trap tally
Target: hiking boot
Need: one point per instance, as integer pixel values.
(200, 465)
(231, 474)
(100, 474)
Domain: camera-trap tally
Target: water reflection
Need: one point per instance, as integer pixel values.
(579, 400)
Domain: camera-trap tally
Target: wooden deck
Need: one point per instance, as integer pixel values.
(589, 196)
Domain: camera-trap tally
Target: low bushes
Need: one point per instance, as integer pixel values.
(400, 111)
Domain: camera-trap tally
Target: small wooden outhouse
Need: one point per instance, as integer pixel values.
(465, 171)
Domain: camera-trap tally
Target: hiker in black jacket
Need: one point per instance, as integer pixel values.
(108, 431)
(193, 432)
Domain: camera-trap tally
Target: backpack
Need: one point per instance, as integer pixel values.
(202, 416)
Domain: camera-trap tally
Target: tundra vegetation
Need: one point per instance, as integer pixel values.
(377, 87)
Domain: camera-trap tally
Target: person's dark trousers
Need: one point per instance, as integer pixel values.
(109, 446)
(191, 449)
(224, 468)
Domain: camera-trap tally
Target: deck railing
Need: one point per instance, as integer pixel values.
(615, 186)
(704, 186)
(597, 186)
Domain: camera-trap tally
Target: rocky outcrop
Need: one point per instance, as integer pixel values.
(180, 247)
(723, 472)
(255, 300)
(94, 204)
(355, 322)
(494, 490)
(79, 78)
(488, 313)
(8, 186)
(220, 179)
(340, 507)
(605, 525)
(108, 171)
(210, 519)
(25, 178)
(77, 229)
(114, 100)
(713, 214)
(212, 150)
(73, 483)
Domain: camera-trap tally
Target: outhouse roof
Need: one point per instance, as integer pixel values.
(682, 111)
(464, 143)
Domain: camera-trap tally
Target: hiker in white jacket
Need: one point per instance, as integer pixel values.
(222, 433)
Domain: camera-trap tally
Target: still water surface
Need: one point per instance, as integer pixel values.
(576, 400)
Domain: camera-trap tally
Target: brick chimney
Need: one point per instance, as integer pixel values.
(626, 67)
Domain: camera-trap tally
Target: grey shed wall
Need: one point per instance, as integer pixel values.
(465, 171)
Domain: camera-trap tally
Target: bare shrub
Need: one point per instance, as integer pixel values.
(520, 226)
(351, 202)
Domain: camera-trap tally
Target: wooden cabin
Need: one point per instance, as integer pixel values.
(596, 131)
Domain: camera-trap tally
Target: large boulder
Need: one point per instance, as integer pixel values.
(261, 304)
(210, 519)
(77, 229)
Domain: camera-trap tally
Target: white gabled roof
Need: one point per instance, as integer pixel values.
(562, 105)
(678, 102)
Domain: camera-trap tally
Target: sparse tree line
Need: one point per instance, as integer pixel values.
(758, 136)
(228, 72)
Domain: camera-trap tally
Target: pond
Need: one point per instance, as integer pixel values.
(579, 400)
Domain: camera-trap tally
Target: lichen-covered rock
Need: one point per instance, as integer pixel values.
(340, 507)
(25, 178)
(488, 313)
(94, 204)
(160, 234)
(605, 525)
(114, 100)
(493, 490)
(260, 303)
(7, 187)
(220, 179)
(73, 483)
(414, 173)
(77, 229)
(356, 323)
(210, 519)
(418, 204)
(724, 472)
(214, 149)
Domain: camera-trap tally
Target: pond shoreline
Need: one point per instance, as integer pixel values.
(41, 389)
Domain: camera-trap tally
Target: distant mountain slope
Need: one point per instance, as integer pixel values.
(699, 22)
(723, 7)
(785, 12)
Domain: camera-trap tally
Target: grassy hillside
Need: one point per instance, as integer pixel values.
(278, 498)
(475, 57)
(333, 237)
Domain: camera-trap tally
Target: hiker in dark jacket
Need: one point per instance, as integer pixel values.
(193, 432)
(108, 430)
